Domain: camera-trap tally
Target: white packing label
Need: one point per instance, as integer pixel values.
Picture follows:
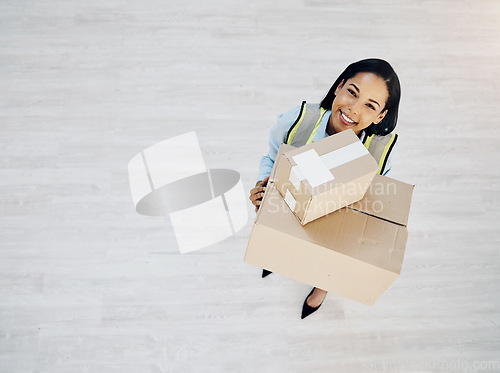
(343, 155)
(313, 168)
(290, 201)
(296, 177)
(327, 161)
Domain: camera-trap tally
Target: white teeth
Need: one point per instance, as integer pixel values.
(346, 119)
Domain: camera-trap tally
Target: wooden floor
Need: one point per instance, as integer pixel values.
(89, 285)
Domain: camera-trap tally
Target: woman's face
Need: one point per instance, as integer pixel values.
(358, 103)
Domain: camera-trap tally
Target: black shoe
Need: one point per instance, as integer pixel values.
(307, 309)
(265, 273)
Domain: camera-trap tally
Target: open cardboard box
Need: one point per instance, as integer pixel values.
(324, 176)
(356, 252)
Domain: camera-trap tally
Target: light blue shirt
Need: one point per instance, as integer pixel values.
(278, 134)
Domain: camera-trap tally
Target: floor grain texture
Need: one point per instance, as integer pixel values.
(88, 285)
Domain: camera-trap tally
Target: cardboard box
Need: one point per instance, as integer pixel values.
(356, 252)
(324, 176)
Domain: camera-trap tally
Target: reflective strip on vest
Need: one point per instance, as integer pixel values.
(380, 147)
(296, 125)
(310, 115)
(315, 130)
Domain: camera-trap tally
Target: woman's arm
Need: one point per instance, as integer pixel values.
(257, 193)
(276, 138)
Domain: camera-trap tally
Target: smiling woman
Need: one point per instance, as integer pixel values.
(364, 98)
(358, 103)
(379, 80)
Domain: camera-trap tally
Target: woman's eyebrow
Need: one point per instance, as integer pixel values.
(375, 102)
(357, 89)
(355, 86)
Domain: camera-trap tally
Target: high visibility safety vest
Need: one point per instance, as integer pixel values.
(306, 126)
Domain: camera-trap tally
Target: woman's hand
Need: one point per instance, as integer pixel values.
(257, 193)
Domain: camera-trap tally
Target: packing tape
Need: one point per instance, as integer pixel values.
(205, 206)
(312, 166)
(295, 177)
(290, 201)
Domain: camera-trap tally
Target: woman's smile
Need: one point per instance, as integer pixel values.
(358, 102)
(346, 121)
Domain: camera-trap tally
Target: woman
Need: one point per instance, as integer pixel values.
(364, 98)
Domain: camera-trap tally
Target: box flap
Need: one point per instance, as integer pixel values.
(387, 199)
(326, 145)
(282, 149)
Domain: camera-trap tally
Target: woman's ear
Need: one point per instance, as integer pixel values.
(380, 117)
(339, 87)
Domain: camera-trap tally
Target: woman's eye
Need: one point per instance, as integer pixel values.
(371, 106)
(351, 92)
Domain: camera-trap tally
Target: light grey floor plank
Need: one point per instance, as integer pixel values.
(88, 285)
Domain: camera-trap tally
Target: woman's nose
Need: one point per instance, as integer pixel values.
(355, 107)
